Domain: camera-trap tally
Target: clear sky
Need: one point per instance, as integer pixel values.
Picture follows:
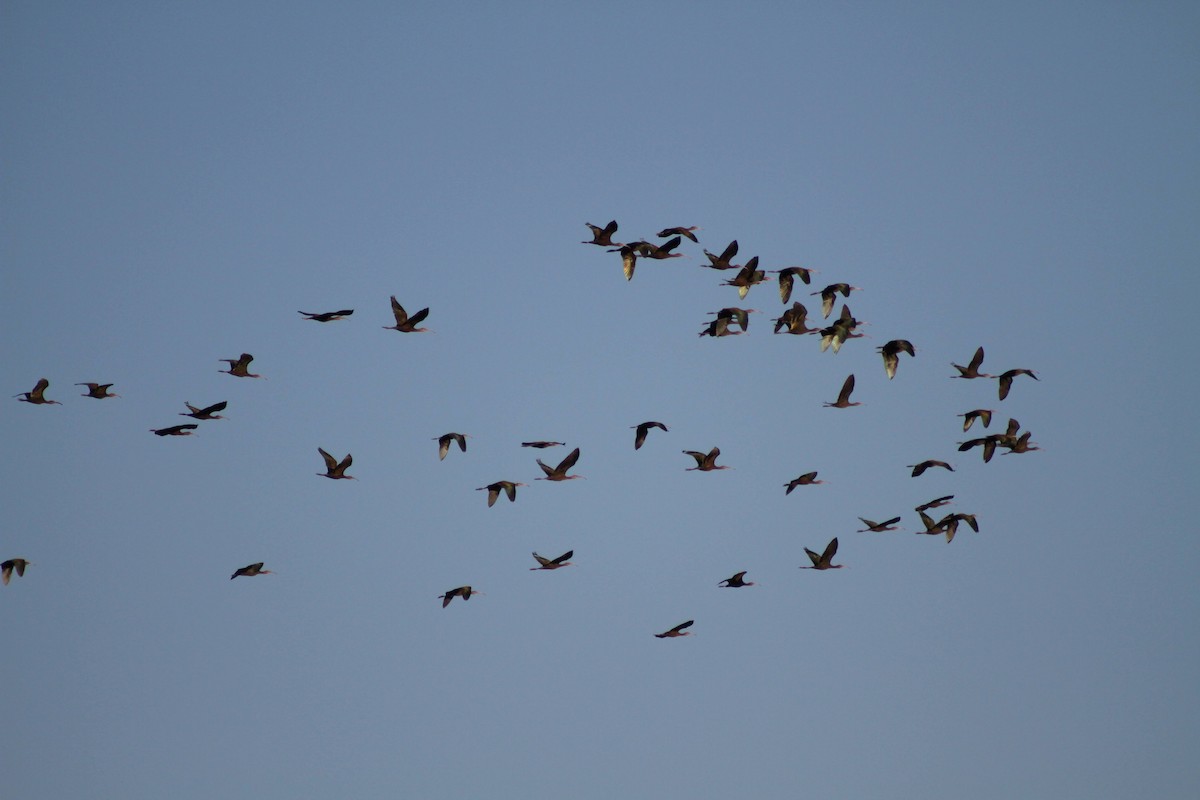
(180, 178)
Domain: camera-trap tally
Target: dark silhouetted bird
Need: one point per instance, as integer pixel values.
(639, 438)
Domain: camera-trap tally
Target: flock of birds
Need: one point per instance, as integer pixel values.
(729, 321)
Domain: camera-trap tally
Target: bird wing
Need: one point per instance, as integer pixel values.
(976, 359)
(545, 562)
(786, 282)
(628, 262)
(830, 551)
(493, 493)
(418, 317)
(564, 557)
(443, 446)
(816, 559)
(346, 462)
(214, 408)
(569, 461)
(545, 468)
(682, 626)
(330, 462)
(698, 456)
(511, 490)
(1005, 384)
(847, 388)
(398, 312)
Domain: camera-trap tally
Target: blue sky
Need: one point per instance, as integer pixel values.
(180, 179)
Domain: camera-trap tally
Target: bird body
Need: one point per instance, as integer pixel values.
(100, 391)
(7, 567)
(464, 592)
(918, 469)
(446, 439)
(37, 396)
(736, 582)
(553, 563)
(334, 469)
(807, 479)
(250, 571)
(705, 462)
(639, 438)
(1006, 379)
(405, 323)
(678, 630)
(891, 354)
(209, 412)
(327, 316)
(824, 560)
(843, 400)
(829, 296)
(878, 527)
(176, 430)
(239, 367)
(494, 489)
(603, 236)
(542, 445)
(722, 261)
(679, 231)
(971, 370)
(559, 473)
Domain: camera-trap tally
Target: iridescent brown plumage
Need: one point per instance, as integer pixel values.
(736, 582)
(250, 571)
(541, 445)
(327, 316)
(446, 439)
(553, 563)
(678, 630)
(971, 370)
(878, 527)
(1006, 379)
(37, 396)
(405, 323)
(175, 430)
(843, 400)
(705, 462)
(824, 560)
(209, 412)
(239, 367)
(100, 391)
(787, 280)
(747, 276)
(891, 354)
(918, 469)
(334, 469)
(494, 490)
(603, 236)
(465, 592)
(679, 231)
(807, 479)
(559, 473)
(7, 567)
(639, 438)
(984, 415)
(829, 296)
(722, 261)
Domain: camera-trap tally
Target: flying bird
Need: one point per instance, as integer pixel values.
(739, 315)
(807, 479)
(494, 489)
(328, 316)
(722, 261)
(251, 570)
(843, 400)
(335, 470)
(971, 370)
(446, 439)
(629, 256)
(795, 320)
(1006, 379)
(829, 296)
(209, 412)
(100, 391)
(239, 367)
(679, 231)
(176, 430)
(825, 560)
(719, 327)
(405, 323)
(705, 462)
(602, 236)
(643, 428)
(1021, 445)
(891, 354)
(553, 563)
(541, 445)
(38, 396)
(987, 442)
(678, 630)
(7, 567)
(787, 280)
(984, 415)
(747, 276)
(878, 527)
(917, 469)
(736, 582)
(559, 473)
(935, 503)
(841, 330)
(660, 251)
(464, 592)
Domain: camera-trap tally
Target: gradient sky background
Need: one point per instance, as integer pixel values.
(180, 178)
